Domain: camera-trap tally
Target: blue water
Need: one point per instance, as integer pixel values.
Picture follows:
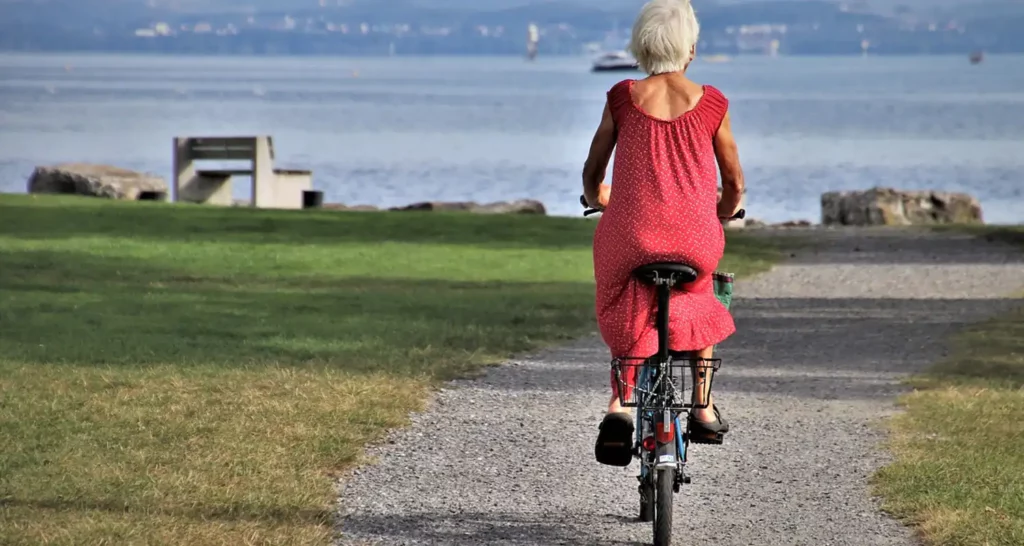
(389, 131)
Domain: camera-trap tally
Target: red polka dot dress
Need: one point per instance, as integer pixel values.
(662, 209)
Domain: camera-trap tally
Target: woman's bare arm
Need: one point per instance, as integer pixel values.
(600, 153)
(727, 154)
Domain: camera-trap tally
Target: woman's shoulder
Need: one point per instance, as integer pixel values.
(618, 96)
(623, 84)
(713, 96)
(714, 105)
(620, 89)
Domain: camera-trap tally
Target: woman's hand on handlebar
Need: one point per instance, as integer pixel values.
(589, 210)
(600, 201)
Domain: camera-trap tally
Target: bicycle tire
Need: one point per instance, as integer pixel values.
(663, 507)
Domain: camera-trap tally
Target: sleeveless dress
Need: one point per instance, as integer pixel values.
(663, 208)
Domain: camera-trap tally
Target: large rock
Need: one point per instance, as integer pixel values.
(889, 207)
(98, 181)
(523, 206)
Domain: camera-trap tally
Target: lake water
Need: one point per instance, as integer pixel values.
(390, 131)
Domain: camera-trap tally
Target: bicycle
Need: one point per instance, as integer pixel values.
(657, 394)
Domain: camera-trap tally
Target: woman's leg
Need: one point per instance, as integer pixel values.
(701, 389)
(615, 440)
(614, 406)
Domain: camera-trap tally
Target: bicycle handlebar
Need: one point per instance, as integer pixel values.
(740, 214)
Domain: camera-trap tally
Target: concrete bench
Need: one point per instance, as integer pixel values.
(271, 188)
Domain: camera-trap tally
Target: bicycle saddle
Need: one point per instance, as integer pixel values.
(681, 273)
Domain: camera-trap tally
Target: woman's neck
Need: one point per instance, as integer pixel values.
(680, 75)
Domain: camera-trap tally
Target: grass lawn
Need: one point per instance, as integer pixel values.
(196, 375)
(959, 446)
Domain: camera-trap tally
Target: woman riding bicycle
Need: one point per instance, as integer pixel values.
(667, 134)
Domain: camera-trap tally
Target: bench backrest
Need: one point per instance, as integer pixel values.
(225, 148)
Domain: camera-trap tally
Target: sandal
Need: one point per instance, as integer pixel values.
(705, 432)
(614, 445)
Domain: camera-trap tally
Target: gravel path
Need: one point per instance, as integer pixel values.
(823, 341)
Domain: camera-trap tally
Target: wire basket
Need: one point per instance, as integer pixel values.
(638, 384)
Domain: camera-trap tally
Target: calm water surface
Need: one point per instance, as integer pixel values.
(395, 130)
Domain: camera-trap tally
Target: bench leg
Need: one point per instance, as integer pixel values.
(262, 175)
(184, 167)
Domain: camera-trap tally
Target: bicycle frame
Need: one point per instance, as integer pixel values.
(671, 442)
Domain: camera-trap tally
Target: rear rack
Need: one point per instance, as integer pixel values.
(639, 385)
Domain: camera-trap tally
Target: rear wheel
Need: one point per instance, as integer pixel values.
(664, 484)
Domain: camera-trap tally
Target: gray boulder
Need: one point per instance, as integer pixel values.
(97, 181)
(890, 207)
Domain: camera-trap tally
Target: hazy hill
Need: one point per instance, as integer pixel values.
(815, 26)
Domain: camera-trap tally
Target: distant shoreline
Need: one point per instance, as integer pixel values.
(469, 55)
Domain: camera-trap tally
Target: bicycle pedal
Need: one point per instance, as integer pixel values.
(715, 439)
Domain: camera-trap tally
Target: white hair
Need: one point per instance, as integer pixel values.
(664, 33)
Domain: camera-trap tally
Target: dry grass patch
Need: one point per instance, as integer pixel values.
(959, 446)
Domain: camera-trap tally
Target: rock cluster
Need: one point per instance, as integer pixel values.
(875, 207)
(890, 207)
(523, 206)
(97, 181)
(754, 223)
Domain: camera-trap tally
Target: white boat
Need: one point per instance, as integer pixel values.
(615, 61)
(532, 37)
(715, 58)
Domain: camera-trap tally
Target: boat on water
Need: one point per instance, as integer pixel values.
(719, 58)
(977, 57)
(532, 38)
(615, 61)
